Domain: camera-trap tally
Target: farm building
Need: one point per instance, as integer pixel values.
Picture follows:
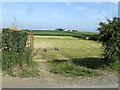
(60, 29)
(74, 30)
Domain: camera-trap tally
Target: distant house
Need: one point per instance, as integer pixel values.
(74, 30)
(58, 29)
(65, 30)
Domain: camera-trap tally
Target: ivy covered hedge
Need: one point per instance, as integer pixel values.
(110, 38)
(16, 57)
(13, 40)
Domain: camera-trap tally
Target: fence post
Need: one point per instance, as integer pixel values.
(30, 41)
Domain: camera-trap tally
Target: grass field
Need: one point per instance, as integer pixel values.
(68, 55)
(60, 33)
(65, 47)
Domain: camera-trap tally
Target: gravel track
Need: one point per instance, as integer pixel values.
(50, 80)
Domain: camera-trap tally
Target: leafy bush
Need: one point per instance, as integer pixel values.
(93, 37)
(13, 40)
(110, 38)
(16, 57)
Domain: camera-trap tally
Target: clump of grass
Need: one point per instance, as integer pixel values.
(29, 73)
(68, 68)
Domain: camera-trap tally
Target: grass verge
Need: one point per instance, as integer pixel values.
(69, 69)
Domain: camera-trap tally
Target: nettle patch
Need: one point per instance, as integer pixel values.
(17, 60)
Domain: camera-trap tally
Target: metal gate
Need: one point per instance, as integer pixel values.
(30, 40)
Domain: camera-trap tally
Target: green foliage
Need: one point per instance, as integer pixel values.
(51, 33)
(110, 38)
(15, 64)
(16, 57)
(85, 36)
(13, 40)
(70, 69)
(32, 73)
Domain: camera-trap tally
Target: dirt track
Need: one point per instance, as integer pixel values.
(50, 80)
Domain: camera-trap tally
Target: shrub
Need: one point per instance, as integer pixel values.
(93, 37)
(13, 40)
(110, 38)
(16, 57)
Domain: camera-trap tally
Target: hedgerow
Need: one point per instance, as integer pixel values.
(13, 40)
(16, 57)
(110, 38)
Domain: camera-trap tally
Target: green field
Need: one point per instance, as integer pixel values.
(60, 33)
(65, 47)
(68, 55)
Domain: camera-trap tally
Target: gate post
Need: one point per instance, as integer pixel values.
(30, 41)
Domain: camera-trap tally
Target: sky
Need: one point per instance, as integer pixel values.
(82, 16)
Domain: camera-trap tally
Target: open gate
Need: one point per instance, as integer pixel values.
(30, 40)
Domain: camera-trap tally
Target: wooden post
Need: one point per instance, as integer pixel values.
(33, 41)
(30, 41)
